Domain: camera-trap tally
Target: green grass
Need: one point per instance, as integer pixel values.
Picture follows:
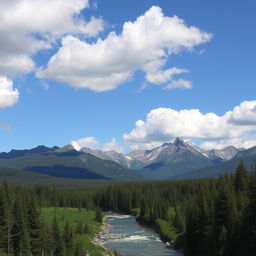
(167, 230)
(75, 216)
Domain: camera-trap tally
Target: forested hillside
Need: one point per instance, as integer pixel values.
(200, 217)
(206, 217)
(28, 230)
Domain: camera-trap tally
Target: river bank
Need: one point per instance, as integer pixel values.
(104, 232)
(122, 233)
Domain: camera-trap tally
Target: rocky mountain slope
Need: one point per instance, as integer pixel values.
(65, 162)
(167, 160)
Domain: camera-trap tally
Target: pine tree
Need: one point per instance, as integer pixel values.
(21, 239)
(250, 220)
(241, 178)
(192, 241)
(98, 215)
(58, 246)
(34, 227)
(3, 224)
(80, 250)
(6, 220)
(68, 239)
(144, 210)
(86, 228)
(46, 240)
(80, 228)
(179, 220)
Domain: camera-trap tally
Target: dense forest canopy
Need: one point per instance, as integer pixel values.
(202, 217)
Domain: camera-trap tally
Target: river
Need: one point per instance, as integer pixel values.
(129, 238)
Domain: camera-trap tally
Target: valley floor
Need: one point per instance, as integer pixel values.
(84, 226)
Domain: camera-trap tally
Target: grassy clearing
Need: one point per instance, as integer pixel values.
(75, 217)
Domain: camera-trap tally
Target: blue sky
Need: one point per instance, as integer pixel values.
(71, 99)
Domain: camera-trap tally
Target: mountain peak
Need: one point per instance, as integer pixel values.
(179, 142)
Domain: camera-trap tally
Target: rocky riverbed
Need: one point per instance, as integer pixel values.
(122, 233)
(103, 234)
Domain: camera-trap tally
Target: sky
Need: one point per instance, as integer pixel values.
(125, 75)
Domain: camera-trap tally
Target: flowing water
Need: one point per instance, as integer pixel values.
(129, 238)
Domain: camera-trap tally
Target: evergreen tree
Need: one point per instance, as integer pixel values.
(98, 215)
(86, 228)
(7, 220)
(241, 178)
(68, 239)
(250, 220)
(21, 239)
(80, 228)
(46, 240)
(80, 250)
(58, 246)
(34, 227)
(144, 210)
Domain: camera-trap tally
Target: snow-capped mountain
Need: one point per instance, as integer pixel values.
(225, 153)
(168, 152)
(109, 155)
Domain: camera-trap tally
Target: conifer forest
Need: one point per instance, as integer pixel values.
(200, 217)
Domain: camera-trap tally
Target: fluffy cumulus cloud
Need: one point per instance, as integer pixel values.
(245, 141)
(164, 124)
(88, 142)
(244, 114)
(93, 143)
(112, 145)
(28, 26)
(11, 65)
(8, 95)
(145, 44)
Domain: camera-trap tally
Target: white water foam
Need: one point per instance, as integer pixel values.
(117, 216)
(139, 232)
(132, 238)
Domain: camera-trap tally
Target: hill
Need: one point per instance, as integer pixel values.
(15, 176)
(65, 162)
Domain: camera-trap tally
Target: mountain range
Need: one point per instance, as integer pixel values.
(177, 160)
(65, 162)
(168, 160)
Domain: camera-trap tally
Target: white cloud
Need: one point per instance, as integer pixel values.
(93, 143)
(164, 124)
(160, 77)
(112, 145)
(16, 64)
(244, 114)
(8, 95)
(145, 44)
(180, 83)
(89, 142)
(28, 26)
(245, 141)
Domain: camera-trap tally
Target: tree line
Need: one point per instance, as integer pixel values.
(213, 217)
(24, 233)
(204, 216)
